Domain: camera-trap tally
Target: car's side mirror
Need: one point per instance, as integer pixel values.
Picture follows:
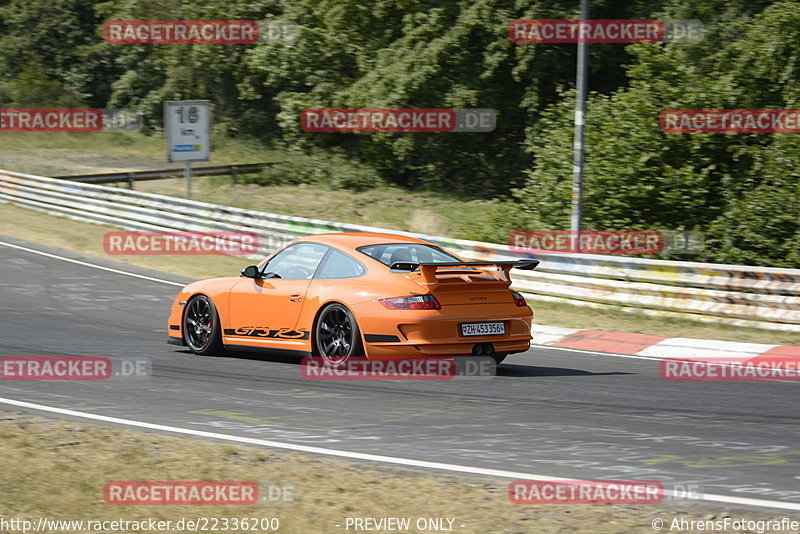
(251, 271)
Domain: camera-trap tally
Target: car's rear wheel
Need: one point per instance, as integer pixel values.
(337, 338)
(201, 328)
(498, 358)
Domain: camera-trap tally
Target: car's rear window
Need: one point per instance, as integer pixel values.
(390, 253)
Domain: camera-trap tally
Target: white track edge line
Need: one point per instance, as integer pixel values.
(87, 264)
(408, 462)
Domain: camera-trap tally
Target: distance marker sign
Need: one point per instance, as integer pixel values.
(187, 128)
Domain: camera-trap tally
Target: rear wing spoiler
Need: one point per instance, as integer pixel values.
(526, 265)
(429, 268)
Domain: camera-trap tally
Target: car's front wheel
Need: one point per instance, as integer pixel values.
(336, 335)
(201, 327)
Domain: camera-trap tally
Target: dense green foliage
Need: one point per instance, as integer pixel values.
(741, 190)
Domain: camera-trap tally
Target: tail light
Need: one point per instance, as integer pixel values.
(412, 302)
(519, 300)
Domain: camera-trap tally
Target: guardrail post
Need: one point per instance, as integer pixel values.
(130, 180)
(233, 174)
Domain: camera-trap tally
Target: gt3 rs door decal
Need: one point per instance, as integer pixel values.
(266, 332)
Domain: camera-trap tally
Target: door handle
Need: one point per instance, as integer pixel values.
(295, 298)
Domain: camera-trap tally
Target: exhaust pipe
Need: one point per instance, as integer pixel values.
(483, 349)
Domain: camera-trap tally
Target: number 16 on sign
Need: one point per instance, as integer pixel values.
(187, 128)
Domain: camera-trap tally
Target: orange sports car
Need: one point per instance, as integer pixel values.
(338, 296)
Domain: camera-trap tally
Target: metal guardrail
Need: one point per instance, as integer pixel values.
(133, 176)
(739, 295)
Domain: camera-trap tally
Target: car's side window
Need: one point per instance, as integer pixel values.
(339, 265)
(298, 262)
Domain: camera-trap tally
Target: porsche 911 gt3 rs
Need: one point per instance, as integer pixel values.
(340, 296)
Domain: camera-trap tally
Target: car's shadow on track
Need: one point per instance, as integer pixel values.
(516, 371)
(505, 369)
(251, 355)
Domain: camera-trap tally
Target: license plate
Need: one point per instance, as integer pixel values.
(483, 329)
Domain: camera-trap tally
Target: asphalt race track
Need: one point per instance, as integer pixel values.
(554, 412)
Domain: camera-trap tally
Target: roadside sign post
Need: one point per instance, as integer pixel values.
(187, 129)
(576, 215)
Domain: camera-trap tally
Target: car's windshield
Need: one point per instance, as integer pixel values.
(391, 253)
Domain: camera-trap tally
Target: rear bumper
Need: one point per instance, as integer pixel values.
(423, 333)
(402, 350)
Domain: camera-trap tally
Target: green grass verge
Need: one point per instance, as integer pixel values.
(307, 185)
(385, 207)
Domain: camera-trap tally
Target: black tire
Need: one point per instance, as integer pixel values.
(201, 328)
(498, 358)
(337, 337)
